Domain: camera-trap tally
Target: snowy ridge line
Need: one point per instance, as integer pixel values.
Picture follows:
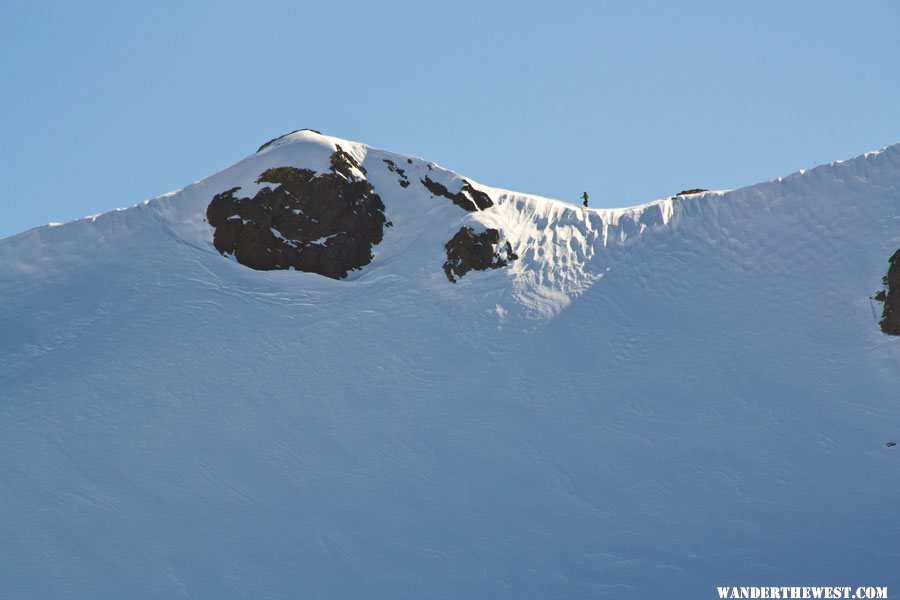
(359, 151)
(559, 245)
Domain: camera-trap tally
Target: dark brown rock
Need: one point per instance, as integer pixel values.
(890, 316)
(326, 224)
(344, 163)
(393, 168)
(468, 198)
(470, 251)
(691, 191)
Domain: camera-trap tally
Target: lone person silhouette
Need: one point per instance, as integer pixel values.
(584, 197)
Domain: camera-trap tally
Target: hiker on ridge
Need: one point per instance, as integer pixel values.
(584, 197)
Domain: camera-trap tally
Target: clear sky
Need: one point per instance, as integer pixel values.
(105, 104)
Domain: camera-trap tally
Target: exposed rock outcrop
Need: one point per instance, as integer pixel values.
(691, 191)
(890, 316)
(470, 251)
(393, 168)
(324, 224)
(467, 198)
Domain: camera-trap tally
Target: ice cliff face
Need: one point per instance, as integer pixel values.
(641, 402)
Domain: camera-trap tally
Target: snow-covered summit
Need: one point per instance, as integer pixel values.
(644, 402)
(560, 246)
(555, 241)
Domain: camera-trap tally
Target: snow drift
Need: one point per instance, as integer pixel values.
(644, 402)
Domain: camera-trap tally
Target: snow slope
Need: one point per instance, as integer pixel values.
(651, 402)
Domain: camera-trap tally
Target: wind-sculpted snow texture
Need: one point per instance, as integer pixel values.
(647, 403)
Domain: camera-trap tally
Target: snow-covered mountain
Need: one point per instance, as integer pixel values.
(488, 395)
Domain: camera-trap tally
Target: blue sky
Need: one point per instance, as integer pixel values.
(106, 104)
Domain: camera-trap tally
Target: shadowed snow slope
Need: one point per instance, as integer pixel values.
(647, 403)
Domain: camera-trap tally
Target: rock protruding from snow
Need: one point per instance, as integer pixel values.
(467, 198)
(393, 168)
(890, 317)
(325, 224)
(470, 251)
